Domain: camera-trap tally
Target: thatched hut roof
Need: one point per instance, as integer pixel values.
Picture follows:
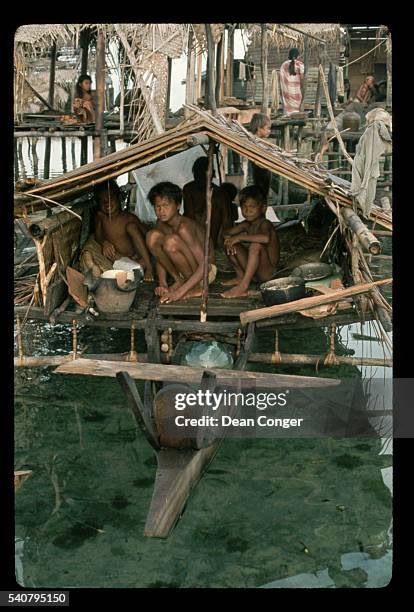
(232, 134)
(167, 38)
(288, 35)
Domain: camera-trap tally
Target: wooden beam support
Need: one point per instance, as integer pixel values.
(189, 375)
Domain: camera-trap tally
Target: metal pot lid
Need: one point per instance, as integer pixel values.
(313, 271)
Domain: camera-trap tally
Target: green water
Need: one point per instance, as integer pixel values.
(292, 512)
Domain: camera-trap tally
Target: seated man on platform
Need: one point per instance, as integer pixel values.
(366, 92)
(177, 243)
(194, 195)
(253, 245)
(117, 234)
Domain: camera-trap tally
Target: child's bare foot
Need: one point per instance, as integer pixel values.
(193, 293)
(238, 291)
(231, 281)
(176, 285)
(149, 275)
(160, 291)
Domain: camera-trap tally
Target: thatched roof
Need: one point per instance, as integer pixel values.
(283, 36)
(167, 38)
(263, 153)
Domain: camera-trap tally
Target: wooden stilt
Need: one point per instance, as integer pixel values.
(100, 94)
(74, 339)
(265, 75)
(210, 100)
(19, 339)
(230, 62)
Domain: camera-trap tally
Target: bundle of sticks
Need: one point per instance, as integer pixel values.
(24, 288)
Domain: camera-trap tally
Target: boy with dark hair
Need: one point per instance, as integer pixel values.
(177, 243)
(194, 194)
(117, 234)
(253, 245)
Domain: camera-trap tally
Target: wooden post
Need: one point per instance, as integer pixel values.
(199, 74)
(19, 339)
(122, 103)
(219, 70)
(230, 62)
(389, 72)
(305, 74)
(209, 193)
(84, 45)
(265, 75)
(189, 82)
(48, 146)
(210, 100)
(317, 109)
(64, 163)
(74, 339)
(167, 102)
(100, 94)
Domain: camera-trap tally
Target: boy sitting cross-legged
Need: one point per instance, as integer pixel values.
(253, 245)
(177, 243)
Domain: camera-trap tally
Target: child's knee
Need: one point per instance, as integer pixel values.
(255, 247)
(172, 243)
(153, 238)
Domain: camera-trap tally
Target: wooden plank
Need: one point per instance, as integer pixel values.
(143, 419)
(247, 347)
(305, 303)
(187, 374)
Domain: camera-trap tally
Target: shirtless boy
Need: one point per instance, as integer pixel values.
(194, 195)
(259, 258)
(177, 243)
(117, 234)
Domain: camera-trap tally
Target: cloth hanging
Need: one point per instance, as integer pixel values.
(375, 141)
(274, 90)
(290, 86)
(242, 71)
(332, 83)
(340, 84)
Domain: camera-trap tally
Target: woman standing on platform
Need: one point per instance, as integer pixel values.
(291, 77)
(84, 103)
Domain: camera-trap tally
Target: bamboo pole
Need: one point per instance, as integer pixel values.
(305, 73)
(167, 101)
(332, 116)
(84, 45)
(219, 71)
(210, 100)
(46, 168)
(298, 359)
(365, 237)
(317, 108)
(199, 74)
(100, 94)
(209, 193)
(230, 62)
(389, 72)
(189, 81)
(303, 304)
(263, 66)
(138, 75)
(19, 339)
